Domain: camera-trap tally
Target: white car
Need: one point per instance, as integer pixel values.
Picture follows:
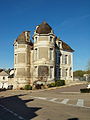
(88, 86)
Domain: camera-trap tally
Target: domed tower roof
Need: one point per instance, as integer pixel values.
(43, 28)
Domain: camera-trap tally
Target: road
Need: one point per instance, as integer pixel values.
(58, 104)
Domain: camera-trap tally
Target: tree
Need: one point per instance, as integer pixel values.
(79, 73)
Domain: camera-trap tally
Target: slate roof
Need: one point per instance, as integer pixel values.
(43, 28)
(66, 47)
(21, 39)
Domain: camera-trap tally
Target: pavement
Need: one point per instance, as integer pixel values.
(66, 103)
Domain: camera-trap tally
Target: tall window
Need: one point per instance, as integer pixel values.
(63, 59)
(51, 53)
(35, 39)
(51, 39)
(66, 59)
(15, 59)
(63, 72)
(70, 71)
(51, 71)
(59, 44)
(66, 72)
(69, 59)
(35, 54)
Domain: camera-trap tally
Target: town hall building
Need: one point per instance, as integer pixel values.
(44, 60)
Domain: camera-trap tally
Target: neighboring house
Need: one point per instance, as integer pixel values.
(4, 79)
(46, 59)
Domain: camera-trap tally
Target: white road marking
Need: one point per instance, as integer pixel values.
(42, 98)
(80, 102)
(52, 100)
(15, 114)
(20, 117)
(64, 101)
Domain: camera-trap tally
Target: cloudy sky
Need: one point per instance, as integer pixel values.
(70, 20)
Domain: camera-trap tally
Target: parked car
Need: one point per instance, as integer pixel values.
(88, 86)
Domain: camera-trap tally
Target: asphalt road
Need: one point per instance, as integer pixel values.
(58, 104)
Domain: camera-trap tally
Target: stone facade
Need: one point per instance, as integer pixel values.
(45, 60)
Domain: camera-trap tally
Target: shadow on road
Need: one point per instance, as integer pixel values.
(18, 106)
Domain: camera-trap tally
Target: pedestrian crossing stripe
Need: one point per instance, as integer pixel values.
(80, 102)
(64, 101)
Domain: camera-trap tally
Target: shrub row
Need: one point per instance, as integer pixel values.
(28, 87)
(57, 83)
(85, 90)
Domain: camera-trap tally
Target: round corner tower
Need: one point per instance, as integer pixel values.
(22, 60)
(44, 52)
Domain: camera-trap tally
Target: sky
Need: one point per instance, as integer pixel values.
(70, 20)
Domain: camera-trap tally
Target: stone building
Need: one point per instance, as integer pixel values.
(44, 60)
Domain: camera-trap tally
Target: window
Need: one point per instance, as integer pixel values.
(59, 44)
(70, 71)
(15, 59)
(51, 53)
(15, 46)
(63, 72)
(35, 39)
(51, 39)
(66, 59)
(51, 71)
(69, 59)
(35, 54)
(66, 72)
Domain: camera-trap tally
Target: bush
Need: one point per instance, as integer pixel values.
(28, 87)
(85, 90)
(51, 85)
(57, 83)
(60, 83)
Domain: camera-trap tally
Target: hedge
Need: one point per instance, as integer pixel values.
(60, 82)
(57, 83)
(28, 87)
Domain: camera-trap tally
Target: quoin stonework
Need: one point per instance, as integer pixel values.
(45, 59)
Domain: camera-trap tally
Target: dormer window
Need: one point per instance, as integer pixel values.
(51, 39)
